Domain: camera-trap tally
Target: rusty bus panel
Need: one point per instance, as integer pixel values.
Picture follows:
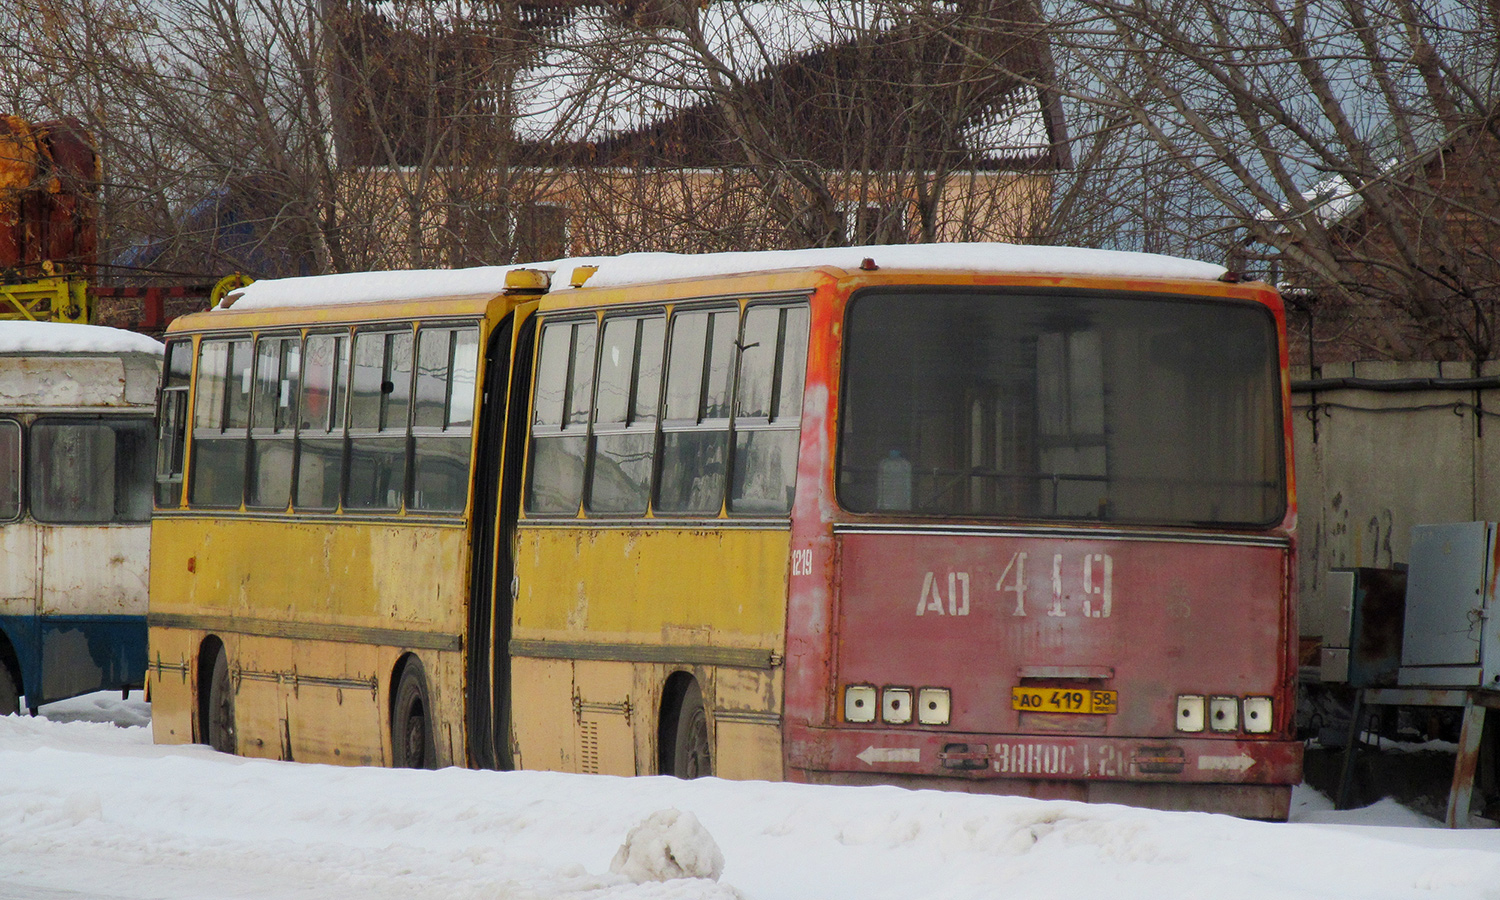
(1238, 777)
(18, 172)
(49, 173)
(70, 230)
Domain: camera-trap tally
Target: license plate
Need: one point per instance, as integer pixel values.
(1063, 700)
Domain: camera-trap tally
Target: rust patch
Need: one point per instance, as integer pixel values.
(1159, 759)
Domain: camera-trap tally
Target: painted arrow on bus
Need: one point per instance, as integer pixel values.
(871, 755)
(1225, 763)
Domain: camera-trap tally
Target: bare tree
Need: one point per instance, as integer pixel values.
(1347, 147)
(282, 138)
(327, 135)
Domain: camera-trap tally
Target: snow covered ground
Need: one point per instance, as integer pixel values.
(90, 808)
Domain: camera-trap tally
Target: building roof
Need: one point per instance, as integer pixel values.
(606, 82)
(656, 77)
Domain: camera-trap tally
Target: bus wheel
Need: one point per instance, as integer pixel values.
(692, 755)
(412, 742)
(220, 724)
(10, 695)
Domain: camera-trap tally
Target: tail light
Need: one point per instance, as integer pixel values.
(934, 706)
(895, 705)
(859, 703)
(1190, 712)
(1224, 713)
(1258, 715)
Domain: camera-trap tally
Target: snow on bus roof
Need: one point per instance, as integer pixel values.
(21, 336)
(641, 268)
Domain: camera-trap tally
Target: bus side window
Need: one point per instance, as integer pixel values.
(220, 422)
(442, 417)
(379, 418)
(629, 390)
(320, 417)
(173, 418)
(10, 469)
(278, 369)
(135, 447)
(768, 409)
(564, 384)
(695, 426)
(90, 470)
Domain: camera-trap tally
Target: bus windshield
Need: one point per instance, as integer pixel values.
(1061, 406)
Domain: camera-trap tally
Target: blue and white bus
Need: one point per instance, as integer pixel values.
(77, 456)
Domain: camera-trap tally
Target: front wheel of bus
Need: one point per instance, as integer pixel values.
(220, 724)
(692, 755)
(10, 695)
(412, 743)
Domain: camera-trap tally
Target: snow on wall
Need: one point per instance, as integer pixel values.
(642, 268)
(78, 380)
(18, 337)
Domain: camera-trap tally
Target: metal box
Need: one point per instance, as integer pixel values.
(1363, 646)
(1338, 608)
(1449, 638)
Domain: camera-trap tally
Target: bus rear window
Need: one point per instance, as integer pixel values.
(1065, 406)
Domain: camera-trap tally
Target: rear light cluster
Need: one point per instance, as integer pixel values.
(933, 706)
(1224, 714)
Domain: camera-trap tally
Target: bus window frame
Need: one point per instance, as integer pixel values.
(283, 426)
(174, 421)
(566, 428)
(335, 432)
(109, 422)
(1277, 440)
(662, 427)
(383, 431)
(219, 431)
(700, 424)
(18, 472)
(774, 422)
(458, 433)
(634, 425)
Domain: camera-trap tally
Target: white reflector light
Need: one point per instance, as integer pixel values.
(1189, 712)
(859, 703)
(1258, 715)
(895, 705)
(934, 706)
(1223, 713)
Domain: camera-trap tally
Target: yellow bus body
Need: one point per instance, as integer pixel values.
(314, 610)
(710, 601)
(315, 615)
(605, 613)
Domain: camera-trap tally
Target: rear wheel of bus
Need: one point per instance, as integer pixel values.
(412, 742)
(218, 708)
(688, 753)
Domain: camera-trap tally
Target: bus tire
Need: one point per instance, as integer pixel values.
(10, 694)
(413, 745)
(218, 726)
(692, 754)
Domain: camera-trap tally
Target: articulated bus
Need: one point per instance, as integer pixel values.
(77, 446)
(980, 517)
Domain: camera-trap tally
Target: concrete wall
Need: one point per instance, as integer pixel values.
(1371, 464)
